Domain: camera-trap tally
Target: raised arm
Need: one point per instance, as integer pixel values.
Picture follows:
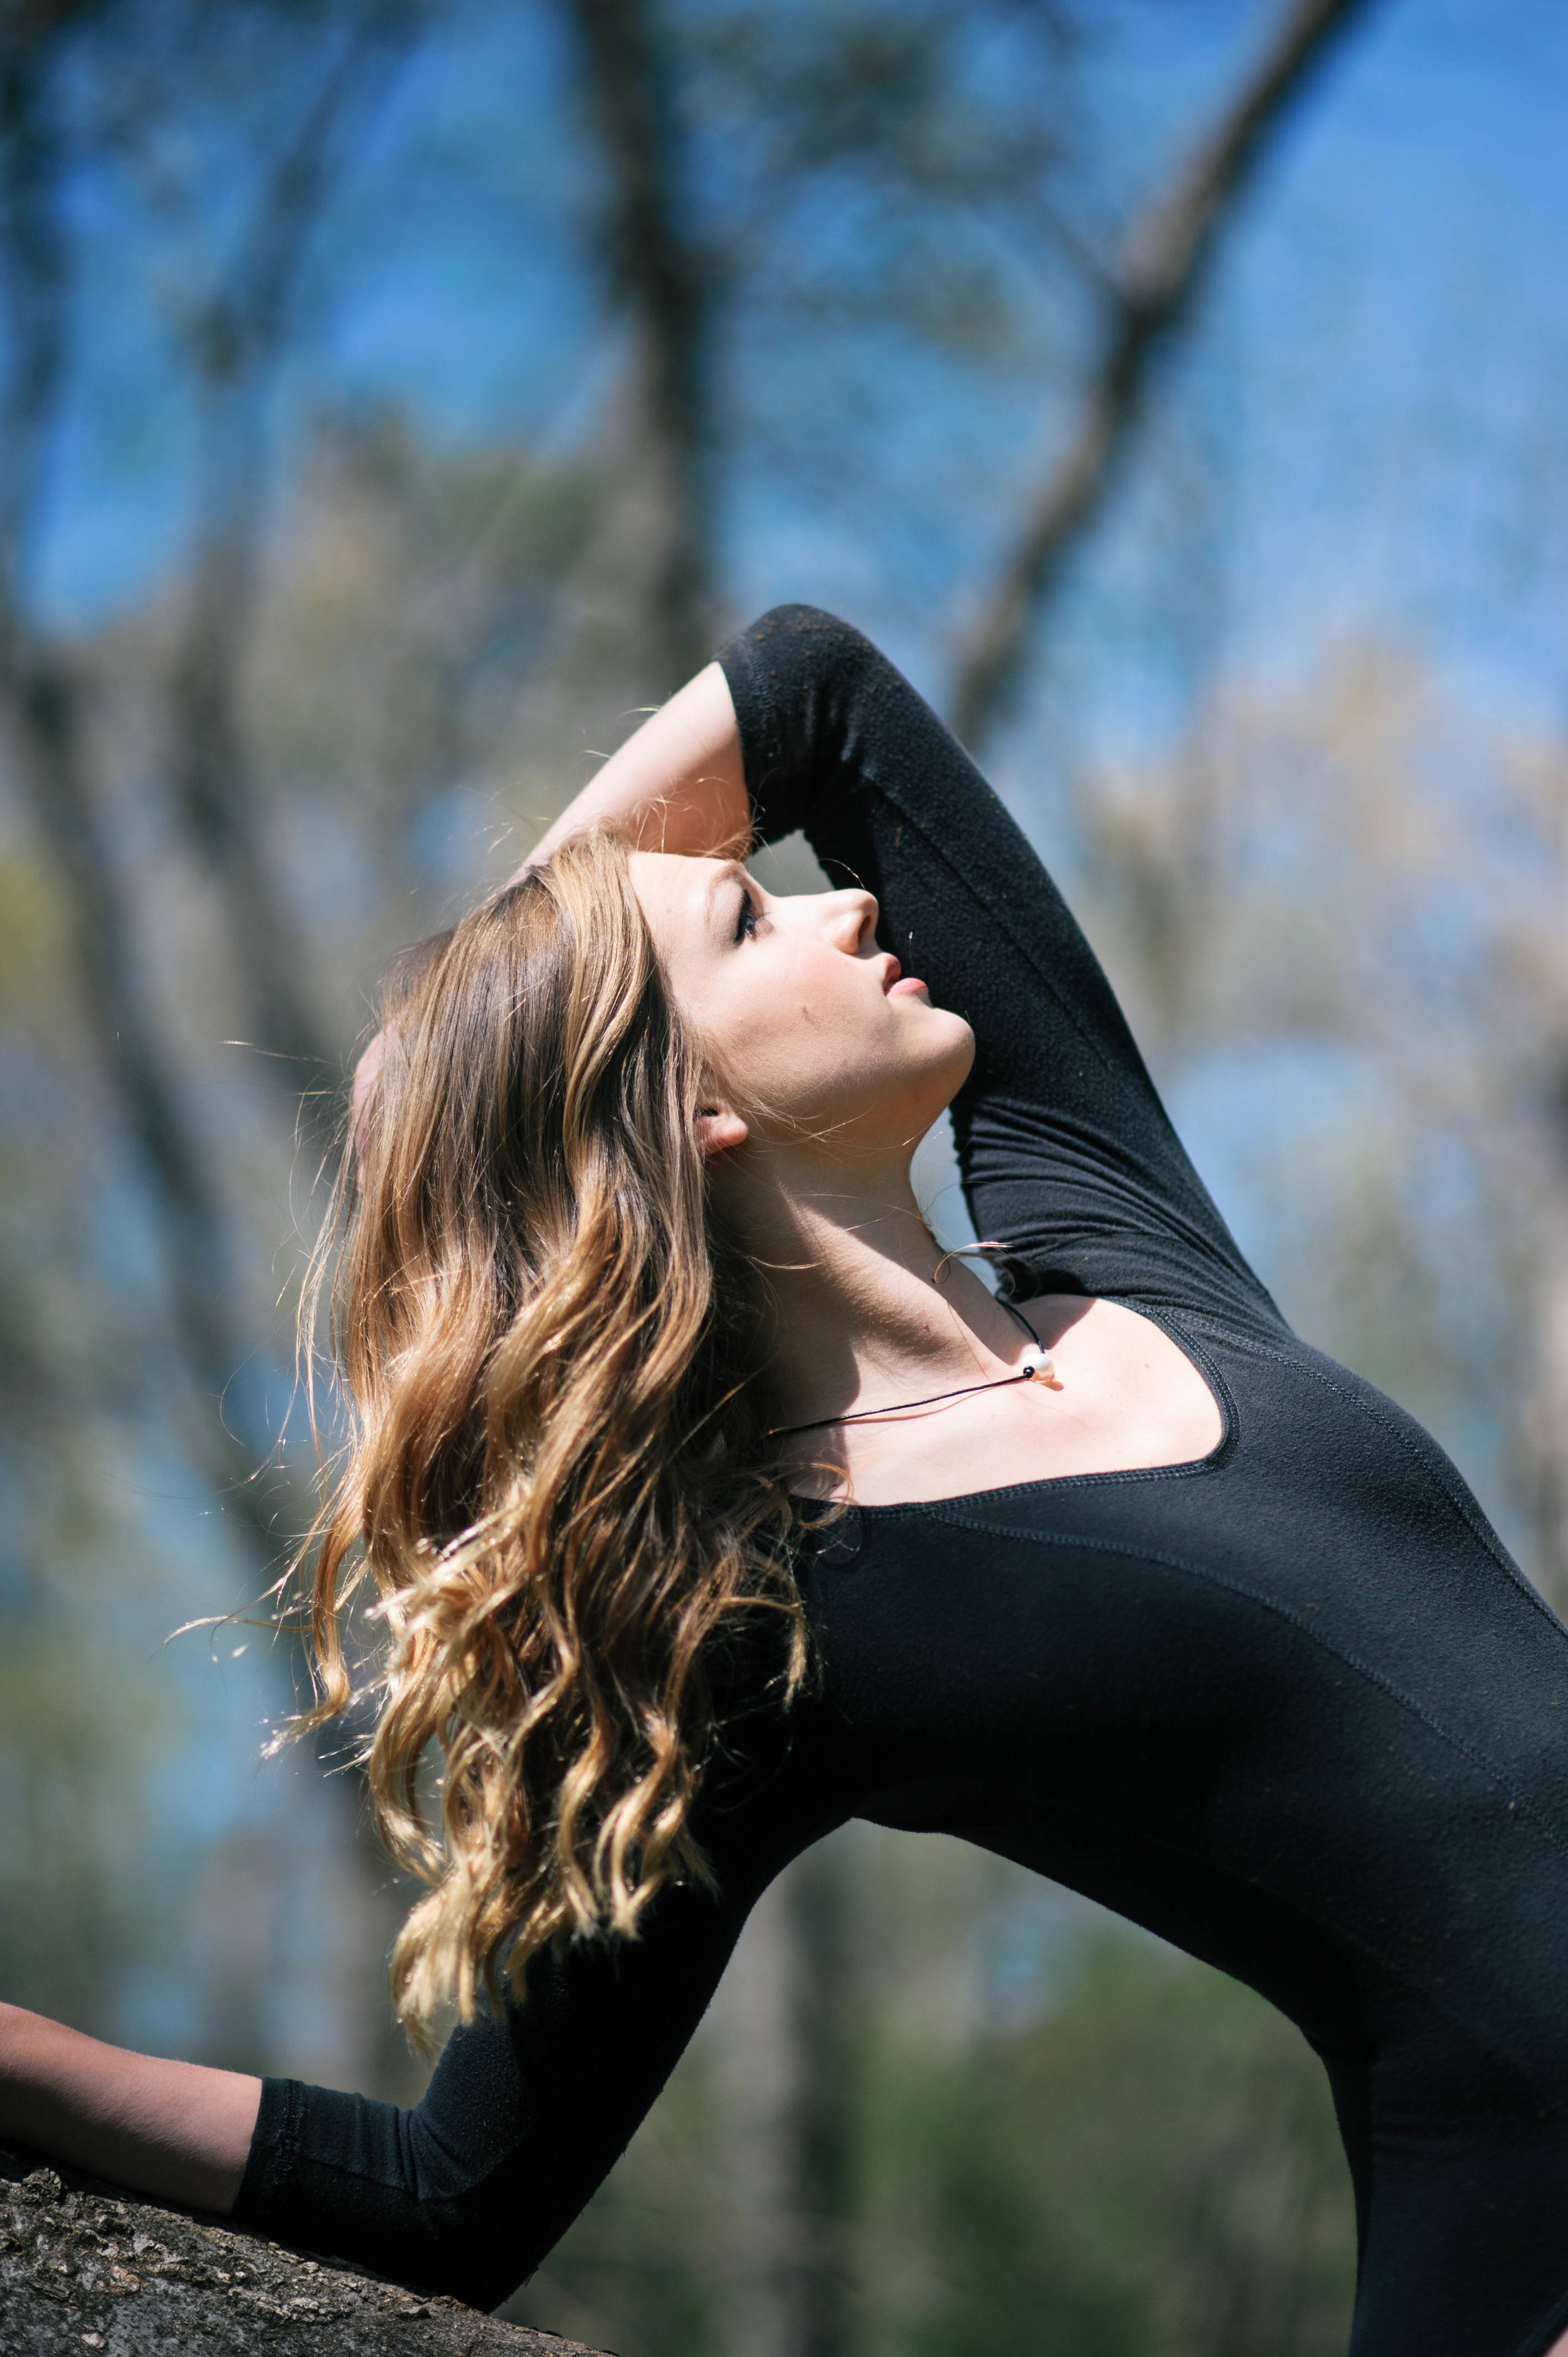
(677, 784)
(1066, 1150)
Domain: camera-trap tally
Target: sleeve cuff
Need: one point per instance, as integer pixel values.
(273, 2143)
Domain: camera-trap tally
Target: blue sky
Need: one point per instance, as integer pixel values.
(1382, 348)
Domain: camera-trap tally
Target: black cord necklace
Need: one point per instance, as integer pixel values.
(1037, 1368)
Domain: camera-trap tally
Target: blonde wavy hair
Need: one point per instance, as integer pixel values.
(558, 1478)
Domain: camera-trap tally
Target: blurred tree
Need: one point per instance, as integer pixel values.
(50, 691)
(1351, 869)
(658, 266)
(1153, 2165)
(44, 709)
(235, 335)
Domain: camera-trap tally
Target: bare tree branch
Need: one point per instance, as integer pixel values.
(1172, 256)
(665, 280)
(237, 339)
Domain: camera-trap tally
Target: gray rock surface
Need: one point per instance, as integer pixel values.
(84, 2266)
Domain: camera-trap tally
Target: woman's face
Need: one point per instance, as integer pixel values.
(797, 1009)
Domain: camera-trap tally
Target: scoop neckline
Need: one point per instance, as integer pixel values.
(1186, 1467)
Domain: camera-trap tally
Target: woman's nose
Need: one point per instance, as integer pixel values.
(852, 920)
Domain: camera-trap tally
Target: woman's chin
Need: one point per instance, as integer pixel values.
(959, 1048)
(933, 1079)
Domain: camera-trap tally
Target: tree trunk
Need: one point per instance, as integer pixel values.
(666, 279)
(787, 2025)
(84, 2265)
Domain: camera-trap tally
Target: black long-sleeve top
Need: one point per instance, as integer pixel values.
(1292, 1707)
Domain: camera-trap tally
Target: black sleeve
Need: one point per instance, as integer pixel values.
(1066, 1152)
(466, 2192)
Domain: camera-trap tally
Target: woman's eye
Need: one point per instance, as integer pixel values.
(745, 923)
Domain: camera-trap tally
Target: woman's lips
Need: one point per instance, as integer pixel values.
(894, 978)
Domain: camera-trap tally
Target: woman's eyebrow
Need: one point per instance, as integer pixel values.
(732, 872)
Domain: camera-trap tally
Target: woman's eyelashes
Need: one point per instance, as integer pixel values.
(747, 921)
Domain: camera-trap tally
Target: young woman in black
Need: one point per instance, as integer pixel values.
(1131, 1586)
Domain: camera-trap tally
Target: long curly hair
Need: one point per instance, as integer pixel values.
(558, 1477)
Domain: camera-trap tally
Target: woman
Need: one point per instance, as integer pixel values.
(1125, 1582)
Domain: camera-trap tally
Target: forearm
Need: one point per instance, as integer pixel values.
(677, 784)
(175, 2130)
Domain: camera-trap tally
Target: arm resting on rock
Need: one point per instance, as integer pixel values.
(175, 2130)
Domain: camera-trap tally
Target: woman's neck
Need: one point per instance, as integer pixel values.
(869, 1309)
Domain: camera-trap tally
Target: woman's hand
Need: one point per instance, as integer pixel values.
(175, 2130)
(677, 784)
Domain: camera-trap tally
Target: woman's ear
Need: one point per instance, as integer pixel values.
(719, 1127)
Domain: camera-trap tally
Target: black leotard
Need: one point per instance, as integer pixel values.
(1290, 1706)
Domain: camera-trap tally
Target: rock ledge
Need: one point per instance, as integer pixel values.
(85, 2266)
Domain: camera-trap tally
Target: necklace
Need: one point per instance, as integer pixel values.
(1036, 1367)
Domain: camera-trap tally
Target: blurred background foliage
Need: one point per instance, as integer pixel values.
(399, 396)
